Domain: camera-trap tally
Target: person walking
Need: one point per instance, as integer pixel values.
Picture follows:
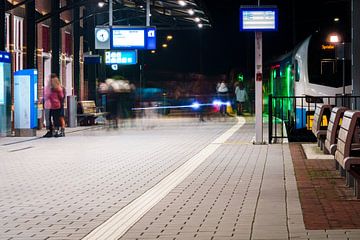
(222, 91)
(54, 96)
(241, 98)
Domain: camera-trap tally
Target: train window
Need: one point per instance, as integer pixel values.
(327, 67)
(296, 69)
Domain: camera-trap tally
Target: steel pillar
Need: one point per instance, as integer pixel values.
(76, 44)
(2, 25)
(30, 35)
(55, 37)
(355, 48)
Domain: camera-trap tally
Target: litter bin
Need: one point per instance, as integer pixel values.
(72, 111)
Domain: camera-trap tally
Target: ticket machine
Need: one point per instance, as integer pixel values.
(25, 102)
(5, 94)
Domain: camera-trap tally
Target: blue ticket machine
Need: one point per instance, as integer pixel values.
(25, 102)
(5, 94)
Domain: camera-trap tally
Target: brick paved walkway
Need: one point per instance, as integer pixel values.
(326, 202)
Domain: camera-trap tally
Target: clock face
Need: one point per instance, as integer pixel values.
(102, 35)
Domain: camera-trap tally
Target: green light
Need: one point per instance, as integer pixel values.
(240, 77)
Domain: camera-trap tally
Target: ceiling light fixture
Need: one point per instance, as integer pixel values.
(182, 3)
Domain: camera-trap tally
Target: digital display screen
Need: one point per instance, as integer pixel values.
(128, 38)
(258, 19)
(125, 57)
(133, 38)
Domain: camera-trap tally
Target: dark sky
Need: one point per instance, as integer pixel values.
(223, 47)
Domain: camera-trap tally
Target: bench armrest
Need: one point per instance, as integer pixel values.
(351, 161)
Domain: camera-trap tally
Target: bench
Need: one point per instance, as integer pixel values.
(347, 153)
(87, 112)
(319, 126)
(336, 116)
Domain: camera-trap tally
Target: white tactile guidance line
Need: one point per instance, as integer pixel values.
(123, 220)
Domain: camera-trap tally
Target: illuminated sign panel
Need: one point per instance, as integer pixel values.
(124, 57)
(258, 19)
(4, 60)
(128, 38)
(327, 47)
(133, 38)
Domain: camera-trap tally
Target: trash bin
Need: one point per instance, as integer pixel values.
(72, 111)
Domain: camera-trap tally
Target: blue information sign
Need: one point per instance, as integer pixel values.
(121, 57)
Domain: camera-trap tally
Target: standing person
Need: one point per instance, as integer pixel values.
(62, 114)
(222, 91)
(47, 106)
(55, 97)
(241, 98)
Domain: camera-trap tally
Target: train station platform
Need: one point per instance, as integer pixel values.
(172, 179)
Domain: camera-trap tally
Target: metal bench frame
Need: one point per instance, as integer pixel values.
(90, 116)
(348, 140)
(317, 128)
(337, 114)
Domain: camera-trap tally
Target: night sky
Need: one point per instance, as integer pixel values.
(223, 47)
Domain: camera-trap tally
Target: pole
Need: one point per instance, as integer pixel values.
(258, 89)
(55, 37)
(2, 25)
(355, 48)
(343, 68)
(148, 12)
(31, 33)
(110, 13)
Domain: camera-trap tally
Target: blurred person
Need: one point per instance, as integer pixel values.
(54, 96)
(222, 91)
(241, 98)
(47, 106)
(62, 114)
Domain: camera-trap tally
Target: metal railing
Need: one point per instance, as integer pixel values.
(291, 117)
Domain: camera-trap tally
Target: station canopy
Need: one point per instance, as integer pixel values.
(165, 14)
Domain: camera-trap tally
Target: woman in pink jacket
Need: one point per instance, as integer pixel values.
(54, 97)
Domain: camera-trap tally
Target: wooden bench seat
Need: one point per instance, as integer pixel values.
(336, 116)
(319, 126)
(88, 112)
(347, 153)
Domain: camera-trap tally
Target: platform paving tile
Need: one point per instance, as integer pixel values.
(64, 188)
(242, 191)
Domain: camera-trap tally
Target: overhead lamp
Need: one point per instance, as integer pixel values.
(182, 3)
(153, 51)
(200, 25)
(101, 4)
(191, 12)
(169, 37)
(336, 19)
(164, 45)
(197, 19)
(334, 38)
